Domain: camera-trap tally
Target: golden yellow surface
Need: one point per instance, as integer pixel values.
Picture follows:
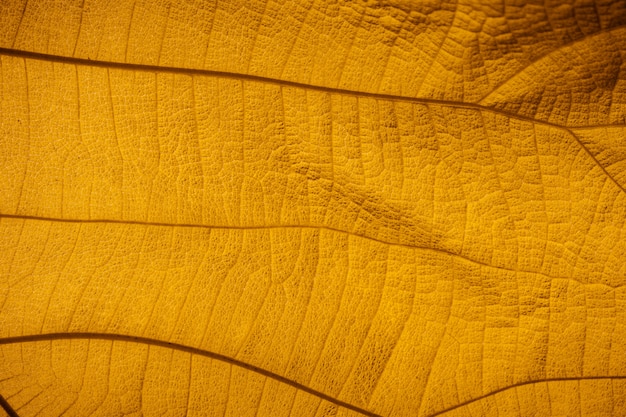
(312, 208)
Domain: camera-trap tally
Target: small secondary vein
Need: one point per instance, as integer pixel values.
(286, 226)
(520, 384)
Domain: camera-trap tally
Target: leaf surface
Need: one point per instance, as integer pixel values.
(312, 209)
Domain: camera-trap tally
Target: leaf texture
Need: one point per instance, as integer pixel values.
(581, 84)
(387, 208)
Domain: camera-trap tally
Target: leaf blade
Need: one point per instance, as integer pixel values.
(327, 208)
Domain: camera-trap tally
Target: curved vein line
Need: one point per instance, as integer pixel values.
(521, 384)
(276, 81)
(535, 60)
(261, 371)
(4, 404)
(237, 76)
(291, 226)
(285, 83)
(187, 349)
(266, 80)
(218, 227)
(593, 158)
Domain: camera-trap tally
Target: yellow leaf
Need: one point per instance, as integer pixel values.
(314, 208)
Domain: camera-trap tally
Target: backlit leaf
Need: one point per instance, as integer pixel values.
(312, 208)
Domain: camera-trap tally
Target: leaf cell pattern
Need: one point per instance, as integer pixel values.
(315, 208)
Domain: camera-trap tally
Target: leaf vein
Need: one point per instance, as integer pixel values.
(290, 226)
(182, 348)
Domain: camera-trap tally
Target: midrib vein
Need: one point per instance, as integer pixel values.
(244, 365)
(188, 349)
(275, 81)
(311, 87)
(4, 404)
(286, 226)
(237, 76)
